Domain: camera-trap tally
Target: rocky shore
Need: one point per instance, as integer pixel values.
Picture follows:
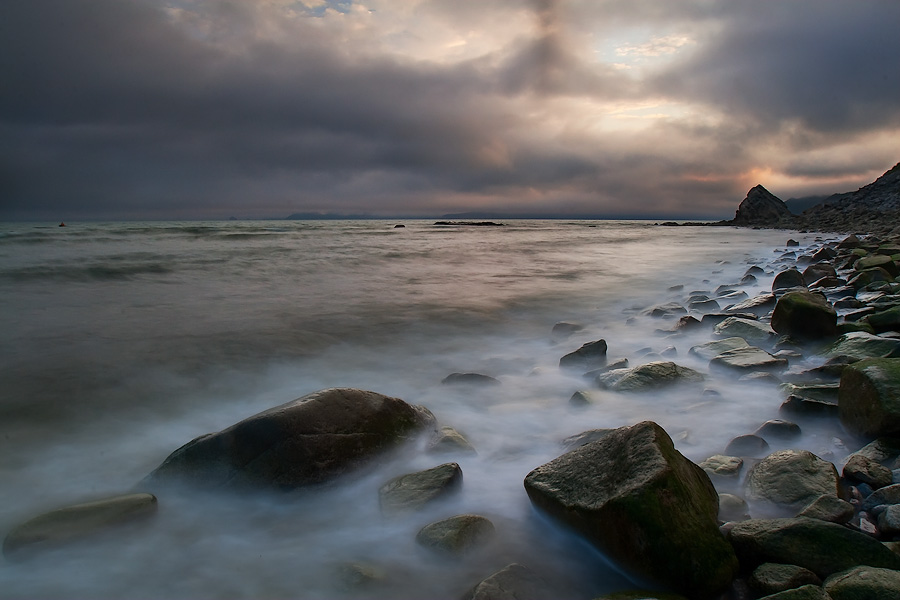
(763, 518)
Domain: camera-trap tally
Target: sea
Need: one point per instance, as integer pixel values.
(120, 342)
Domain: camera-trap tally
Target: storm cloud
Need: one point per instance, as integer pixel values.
(209, 108)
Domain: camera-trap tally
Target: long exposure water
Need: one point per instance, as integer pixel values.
(120, 342)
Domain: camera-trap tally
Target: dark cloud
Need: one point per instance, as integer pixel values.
(122, 109)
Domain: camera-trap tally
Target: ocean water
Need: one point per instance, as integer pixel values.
(121, 342)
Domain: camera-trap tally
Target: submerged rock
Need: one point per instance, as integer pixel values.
(78, 521)
(513, 582)
(644, 504)
(457, 535)
(307, 441)
(822, 547)
(414, 490)
(710, 350)
(472, 379)
(448, 441)
(869, 397)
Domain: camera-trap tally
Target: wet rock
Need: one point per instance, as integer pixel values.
(790, 278)
(414, 490)
(702, 306)
(792, 478)
(828, 508)
(822, 547)
(670, 309)
(885, 320)
(721, 465)
(747, 445)
(792, 243)
(733, 508)
(805, 592)
(585, 437)
(590, 356)
(850, 242)
(356, 576)
(817, 271)
(885, 495)
(865, 470)
(760, 377)
(514, 582)
(759, 305)
(800, 406)
(307, 441)
(710, 350)
(806, 315)
(644, 504)
(687, 323)
(619, 363)
(816, 391)
(881, 449)
(752, 331)
(649, 376)
(470, 379)
(778, 429)
(878, 260)
(457, 535)
(76, 522)
(869, 397)
(450, 441)
(771, 578)
(868, 276)
(864, 583)
(747, 360)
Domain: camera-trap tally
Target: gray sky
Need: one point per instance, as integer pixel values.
(256, 108)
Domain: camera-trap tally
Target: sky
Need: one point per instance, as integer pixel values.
(192, 109)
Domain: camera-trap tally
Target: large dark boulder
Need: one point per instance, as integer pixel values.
(822, 547)
(869, 397)
(307, 441)
(644, 504)
(805, 315)
(762, 208)
(590, 356)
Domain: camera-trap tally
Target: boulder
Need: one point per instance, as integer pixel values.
(649, 376)
(457, 535)
(710, 350)
(771, 578)
(805, 315)
(414, 490)
(859, 345)
(868, 276)
(514, 582)
(750, 330)
(470, 379)
(644, 504)
(885, 495)
(590, 356)
(792, 478)
(580, 398)
(307, 441)
(822, 547)
(563, 330)
(864, 583)
(878, 260)
(889, 520)
(828, 508)
(76, 522)
(881, 449)
(862, 469)
(733, 508)
(790, 278)
(748, 360)
(869, 397)
(817, 271)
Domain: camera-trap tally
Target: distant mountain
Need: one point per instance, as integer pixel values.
(798, 205)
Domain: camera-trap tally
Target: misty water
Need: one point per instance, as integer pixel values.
(121, 342)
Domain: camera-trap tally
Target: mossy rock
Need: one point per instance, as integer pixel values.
(864, 583)
(885, 320)
(859, 345)
(869, 397)
(649, 376)
(642, 503)
(805, 315)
